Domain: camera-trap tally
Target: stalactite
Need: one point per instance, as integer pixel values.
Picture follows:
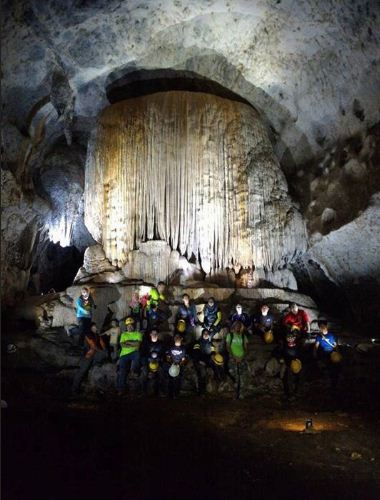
(196, 171)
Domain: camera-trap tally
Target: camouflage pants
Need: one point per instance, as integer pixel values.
(241, 376)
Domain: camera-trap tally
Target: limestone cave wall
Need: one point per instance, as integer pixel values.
(196, 171)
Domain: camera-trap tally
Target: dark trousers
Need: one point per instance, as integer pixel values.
(126, 362)
(332, 368)
(138, 317)
(84, 367)
(174, 383)
(151, 380)
(290, 382)
(201, 364)
(174, 386)
(82, 329)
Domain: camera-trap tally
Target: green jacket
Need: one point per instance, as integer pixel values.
(135, 337)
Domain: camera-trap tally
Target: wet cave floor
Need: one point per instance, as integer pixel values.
(55, 448)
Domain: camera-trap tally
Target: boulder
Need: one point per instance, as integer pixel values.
(355, 170)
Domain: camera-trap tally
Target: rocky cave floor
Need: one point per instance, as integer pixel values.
(99, 445)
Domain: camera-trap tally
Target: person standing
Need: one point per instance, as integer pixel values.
(113, 333)
(85, 306)
(203, 355)
(325, 350)
(136, 310)
(130, 341)
(176, 358)
(291, 364)
(152, 353)
(237, 345)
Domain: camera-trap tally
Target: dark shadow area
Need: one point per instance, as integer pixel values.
(101, 446)
(144, 82)
(146, 449)
(57, 268)
(312, 281)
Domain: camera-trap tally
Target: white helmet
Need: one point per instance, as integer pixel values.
(174, 370)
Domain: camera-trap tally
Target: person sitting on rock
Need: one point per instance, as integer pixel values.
(239, 315)
(156, 294)
(84, 310)
(114, 335)
(153, 317)
(188, 312)
(157, 301)
(264, 321)
(152, 354)
(130, 341)
(297, 317)
(176, 359)
(203, 355)
(237, 346)
(212, 317)
(325, 350)
(136, 310)
(94, 353)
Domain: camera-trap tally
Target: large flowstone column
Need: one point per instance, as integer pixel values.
(193, 170)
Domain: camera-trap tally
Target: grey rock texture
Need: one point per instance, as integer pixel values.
(349, 257)
(343, 180)
(21, 226)
(311, 68)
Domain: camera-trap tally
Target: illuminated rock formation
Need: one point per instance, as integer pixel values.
(195, 171)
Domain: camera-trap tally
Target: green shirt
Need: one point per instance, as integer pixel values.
(236, 342)
(127, 336)
(155, 297)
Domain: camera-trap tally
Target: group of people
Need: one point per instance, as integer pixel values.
(157, 364)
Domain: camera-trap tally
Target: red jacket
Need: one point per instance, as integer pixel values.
(300, 319)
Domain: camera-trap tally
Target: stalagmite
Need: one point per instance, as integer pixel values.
(193, 170)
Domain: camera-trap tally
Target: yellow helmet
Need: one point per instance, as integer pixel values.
(181, 325)
(129, 321)
(295, 328)
(218, 359)
(296, 366)
(196, 346)
(335, 357)
(268, 337)
(153, 366)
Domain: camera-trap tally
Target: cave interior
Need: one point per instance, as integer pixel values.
(229, 149)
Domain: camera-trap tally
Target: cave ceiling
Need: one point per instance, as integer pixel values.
(311, 68)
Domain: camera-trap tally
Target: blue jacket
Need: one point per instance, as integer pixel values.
(325, 342)
(84, 308)
(189, 314)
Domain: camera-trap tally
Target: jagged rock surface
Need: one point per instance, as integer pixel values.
(310, 67)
